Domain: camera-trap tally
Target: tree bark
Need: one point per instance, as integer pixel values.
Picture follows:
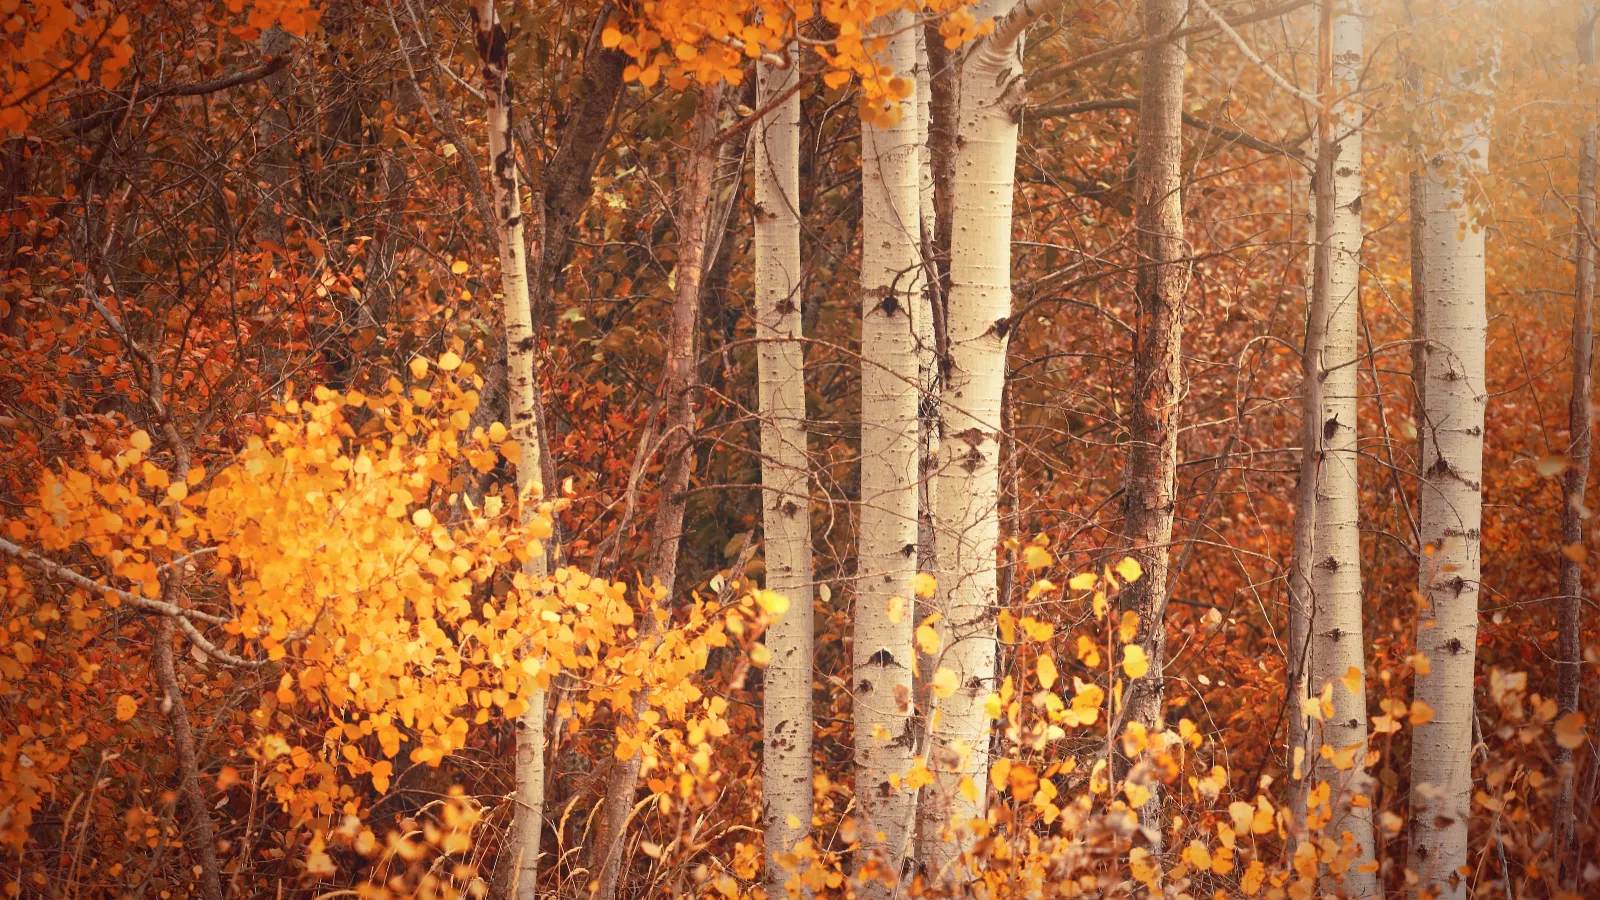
(1451, 511)
(992, 92)
(679, 379)
(883, 657)
(523, 401)
(1569, 615)
(1151, 474)
(1337, 639)
(785, 481)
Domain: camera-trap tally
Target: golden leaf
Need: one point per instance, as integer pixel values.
(1134, 662)
(1046, 668)
(126, 707)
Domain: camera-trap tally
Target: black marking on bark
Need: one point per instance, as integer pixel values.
(1329, 563)
(884, 659)
(790, 508)
(890, 304)
(527, 344)
(1439, 468)
(1001, 326)
(863, 686)
(908, 550)
(1355, 205)
(1454, 645)
(1330, 428)
(786, 307)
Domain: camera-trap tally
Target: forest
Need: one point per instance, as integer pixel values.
(609, 449)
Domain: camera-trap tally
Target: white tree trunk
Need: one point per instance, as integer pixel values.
(522, 400)
(883, 658)
(967, 483)
(785, 485)
(1451, 513)
(1337, 637)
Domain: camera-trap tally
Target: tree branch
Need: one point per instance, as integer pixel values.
(1132, 103)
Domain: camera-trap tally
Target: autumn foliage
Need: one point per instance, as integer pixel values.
(263, 552)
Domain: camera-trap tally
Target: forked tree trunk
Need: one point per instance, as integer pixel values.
(1151, 473)
(1569, 642)
(991, 92)
(785, 482)
(1337, 639)
(883, 658)
(694, 217)
(522, 400)
(1451, 511)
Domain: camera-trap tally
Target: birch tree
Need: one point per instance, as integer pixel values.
(883, 659)
(522, 398)
(785, 485)
(1451, 504)
(1150, 475)
(693, 218)
(1569, 650)
(1337, 638)
(990, 94)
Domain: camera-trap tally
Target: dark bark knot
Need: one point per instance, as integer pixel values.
(884, 659)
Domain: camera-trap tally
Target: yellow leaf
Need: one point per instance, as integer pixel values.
(419, 367)
(610, 37)
(1082, 581)
(1008, 627)
(1047, 671)
(1129, 626)
(1352, 680)
(177, 491)
(944, 683)
(1421, 713)
(760, 656)
(459, 267)
(422, 518)
(1088, 653)
(1569, 730)
(1129, 569)
(927, 639)
(1037, 630)
(923, 585)
(449, 361)
(1035, 557)
(773, 602)
(126, 707)
(897, 609)
(836, 78)
(1134, 662)
(139, 440)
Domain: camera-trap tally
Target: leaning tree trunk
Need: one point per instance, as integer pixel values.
(785, 484)
(694, 217)
(1151, 474)
(1451, 513)
(1569, 616)
(883, 658)
(1336, 637)
(991, 93)
(922, 319)
(522, 400)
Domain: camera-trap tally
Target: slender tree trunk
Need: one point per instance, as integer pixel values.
(1337, 636)
(1297, 661)
(1151, 474)
(1569, 644)
(967, 485)
(883, 656)
(693, 217)
(1451, 513)
(922, 319)
(523, 402)
(276, 172)
(785, 481)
